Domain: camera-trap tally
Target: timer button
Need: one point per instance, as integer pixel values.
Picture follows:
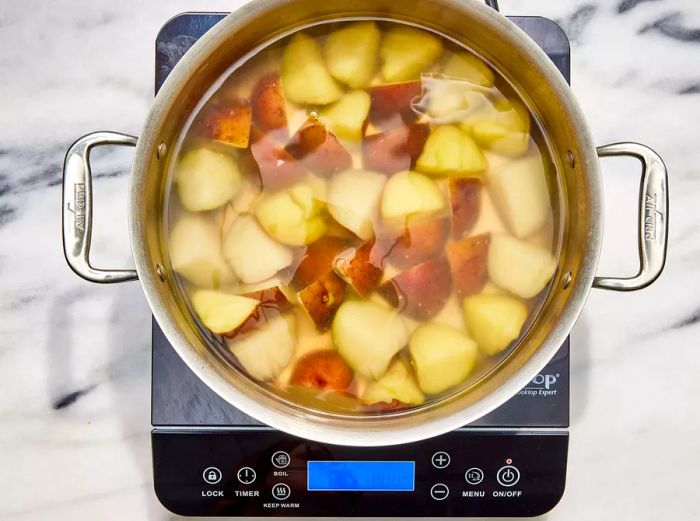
(246, 475)
(441, 460)
(508, 476)
(439, 491)
(281, 491)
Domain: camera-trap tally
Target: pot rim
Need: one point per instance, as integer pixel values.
(327, 432)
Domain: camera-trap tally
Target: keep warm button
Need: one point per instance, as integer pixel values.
(508, 476)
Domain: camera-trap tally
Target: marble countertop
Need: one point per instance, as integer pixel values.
(74, 357)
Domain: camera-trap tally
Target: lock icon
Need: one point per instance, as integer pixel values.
(211, 475)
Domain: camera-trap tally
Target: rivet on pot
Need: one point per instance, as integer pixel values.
(570, 159)
(160, 270)
(566, 280)
(162, 150)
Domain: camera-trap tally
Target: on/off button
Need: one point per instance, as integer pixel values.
(508, 476)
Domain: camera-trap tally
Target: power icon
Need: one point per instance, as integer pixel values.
(508, 476)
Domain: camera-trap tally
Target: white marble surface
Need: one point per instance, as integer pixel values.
(69, 67)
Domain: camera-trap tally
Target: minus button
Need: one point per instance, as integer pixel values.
(439, 491)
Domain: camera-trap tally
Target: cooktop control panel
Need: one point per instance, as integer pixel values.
(263, 472)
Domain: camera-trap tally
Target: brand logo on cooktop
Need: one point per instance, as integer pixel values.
(542, 385)
(79, 210)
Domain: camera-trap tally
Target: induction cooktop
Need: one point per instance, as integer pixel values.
(210, 459)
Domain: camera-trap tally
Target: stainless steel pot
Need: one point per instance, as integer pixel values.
(475, 25)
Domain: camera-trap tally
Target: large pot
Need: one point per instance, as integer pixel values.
(532, 74)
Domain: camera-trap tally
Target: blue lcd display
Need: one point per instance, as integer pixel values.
(361, 476)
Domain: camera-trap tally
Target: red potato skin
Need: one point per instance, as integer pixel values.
(318, 260)
(322, 298)
(361, 268)
(230, 124)
(421, 291)
(276, 168)
(467, 260)
(415, 242)
(394, 150)
(272, 304)
(268, 104)
(318, 149)
(465, 201)
(390, 104)
(325, 370)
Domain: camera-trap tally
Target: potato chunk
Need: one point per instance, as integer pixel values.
(368, 336)
(206, 179)
(406, 52)
(222, 312)
(353, 200)
(398, 383)
(518, 266)
(305, 79)
(195, 252)
(493, 320)
(520, 193)
(442, 355)
(350, 53)
(451, 152)
(266, 351)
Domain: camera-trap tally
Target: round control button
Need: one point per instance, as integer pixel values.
(508, 476)
(246, 475)
(211, 475)
(474, 476)
(280, 459)
(281, 491)
(439, 491)
(441, 460)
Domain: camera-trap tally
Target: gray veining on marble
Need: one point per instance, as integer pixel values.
(74, 357)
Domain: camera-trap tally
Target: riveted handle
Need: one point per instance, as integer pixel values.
(77, 207)
(653, 217)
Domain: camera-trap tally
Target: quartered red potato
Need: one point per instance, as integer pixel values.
(363, 214)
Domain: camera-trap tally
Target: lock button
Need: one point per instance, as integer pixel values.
(211, 475)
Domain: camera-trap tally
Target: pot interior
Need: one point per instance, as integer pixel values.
(575, 232)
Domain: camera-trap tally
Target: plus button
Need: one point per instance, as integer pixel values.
(441, 460)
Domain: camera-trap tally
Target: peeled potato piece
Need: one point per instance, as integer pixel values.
(222, 312)
(206, 179)
(353, 199)
(368, 336)
(409, 193)
(466, 66)
(195, 252)
(442, 355)
(266, 351)
(502, 126)
(493, 320)
(398, 383)
(518, 266)
(406, 52)
(305, 79)
(350, 53)
(520, 193)
(346, 118)
(293, 216)
(251, 253)
(451, 152)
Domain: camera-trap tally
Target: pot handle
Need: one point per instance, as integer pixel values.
(77, 207)
(653, 217)
(492, 3)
